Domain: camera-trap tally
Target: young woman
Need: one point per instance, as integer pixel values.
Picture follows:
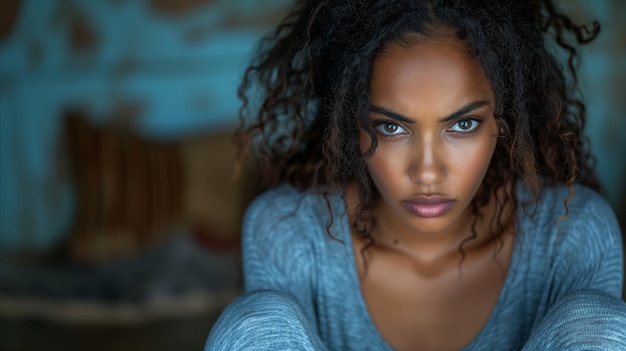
(426, 185)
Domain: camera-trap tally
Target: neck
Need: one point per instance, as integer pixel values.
(423, 246)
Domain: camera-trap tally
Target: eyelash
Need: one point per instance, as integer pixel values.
(474, 121)
(379, 124)
(469, 132)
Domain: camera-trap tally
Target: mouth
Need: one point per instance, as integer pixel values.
(429, 206)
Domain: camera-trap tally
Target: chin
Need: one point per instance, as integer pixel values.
(428, 226)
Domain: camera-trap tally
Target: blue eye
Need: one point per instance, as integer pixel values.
(390, 128)
(465, 126)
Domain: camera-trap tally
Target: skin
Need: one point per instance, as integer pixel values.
(432, 109)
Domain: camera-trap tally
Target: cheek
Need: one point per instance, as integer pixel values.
(364, 141)
(377, 167)
(476, 158)
(387, 166)
(380, 164)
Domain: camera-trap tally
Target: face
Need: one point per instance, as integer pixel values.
(432, 111)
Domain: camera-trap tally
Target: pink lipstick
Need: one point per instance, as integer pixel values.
(428, 206)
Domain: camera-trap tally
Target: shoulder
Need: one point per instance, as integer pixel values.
(287, 206)
(285, 215)
(585, 209)
(574, 249)
(584, 225)
(284, 235)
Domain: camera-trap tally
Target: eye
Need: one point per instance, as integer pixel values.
(390, 128)
(465, 126)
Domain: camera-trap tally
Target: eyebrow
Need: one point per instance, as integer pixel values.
(456, 114)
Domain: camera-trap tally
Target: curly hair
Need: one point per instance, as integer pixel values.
(309, 90)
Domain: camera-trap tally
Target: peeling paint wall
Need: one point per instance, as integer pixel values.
(163, 67)
(170, 67)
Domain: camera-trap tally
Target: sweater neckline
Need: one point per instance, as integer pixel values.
(503, 297)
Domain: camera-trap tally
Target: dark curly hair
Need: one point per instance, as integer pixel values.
(308, 89)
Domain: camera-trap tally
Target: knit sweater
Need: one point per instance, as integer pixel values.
(286, 248)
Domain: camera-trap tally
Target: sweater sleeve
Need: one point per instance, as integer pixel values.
(277, 252)
(591, 251)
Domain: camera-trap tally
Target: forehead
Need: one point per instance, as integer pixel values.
(438, 73)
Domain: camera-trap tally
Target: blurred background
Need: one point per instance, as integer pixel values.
(119, 222)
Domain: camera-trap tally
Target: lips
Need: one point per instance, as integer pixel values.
(429, 206)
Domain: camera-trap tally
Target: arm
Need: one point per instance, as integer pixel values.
(277, 252)
(584, 309)
(592, 255)
(277, 312)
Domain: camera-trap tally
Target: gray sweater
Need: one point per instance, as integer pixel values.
(286, 248)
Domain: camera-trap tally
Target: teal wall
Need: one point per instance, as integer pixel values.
(170, 68)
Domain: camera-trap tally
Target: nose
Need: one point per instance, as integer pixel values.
(427, 166)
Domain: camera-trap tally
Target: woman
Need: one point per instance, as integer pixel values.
(426, 185)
